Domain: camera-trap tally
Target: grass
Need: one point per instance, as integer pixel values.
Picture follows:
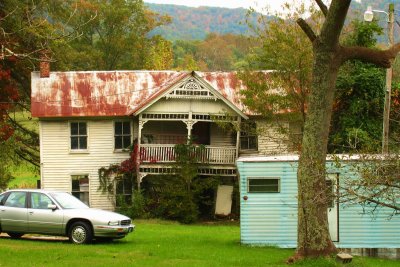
(25, 176)
(160, 243)
(24, 173)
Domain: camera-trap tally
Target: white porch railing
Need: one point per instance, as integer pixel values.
(161, 153)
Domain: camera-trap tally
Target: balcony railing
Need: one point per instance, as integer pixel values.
(161, 153)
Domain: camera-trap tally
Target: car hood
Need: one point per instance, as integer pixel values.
(91, 213)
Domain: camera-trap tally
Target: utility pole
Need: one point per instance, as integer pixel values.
(388, 91)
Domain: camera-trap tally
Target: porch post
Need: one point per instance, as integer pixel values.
(141, 124)
(239, 121)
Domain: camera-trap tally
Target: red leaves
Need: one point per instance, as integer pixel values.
(6, 131)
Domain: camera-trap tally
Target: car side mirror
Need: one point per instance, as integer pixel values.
(52, 207)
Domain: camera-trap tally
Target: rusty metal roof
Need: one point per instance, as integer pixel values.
(115, 93)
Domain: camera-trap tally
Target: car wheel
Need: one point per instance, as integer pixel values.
(80, 233)
(15, 235)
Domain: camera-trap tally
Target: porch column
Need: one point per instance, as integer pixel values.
(141, 124)
(239, 122)
(189, 126)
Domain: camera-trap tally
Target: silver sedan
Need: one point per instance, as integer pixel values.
(58, 213)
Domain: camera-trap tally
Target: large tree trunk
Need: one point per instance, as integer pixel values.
(313, 232)
(329, 55)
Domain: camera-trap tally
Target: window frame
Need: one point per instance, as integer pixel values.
(124, 194)
(78, 150)
(278, 179)
(248, 135)
(72, 176)
(122, 135)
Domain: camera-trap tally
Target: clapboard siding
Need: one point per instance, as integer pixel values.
(271, 218)
(270, 140)
(59, 163)
(220, 138)
(193, 105)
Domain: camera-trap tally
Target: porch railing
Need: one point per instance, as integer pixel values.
(161, 153)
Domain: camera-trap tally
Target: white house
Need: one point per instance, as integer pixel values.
(87, 119)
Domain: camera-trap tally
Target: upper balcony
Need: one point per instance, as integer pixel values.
(165, 153)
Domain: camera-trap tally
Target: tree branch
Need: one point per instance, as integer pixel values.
(322, 6)
(380, 58)
(307, 29)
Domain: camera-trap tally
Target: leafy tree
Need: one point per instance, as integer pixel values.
(357, 118)
(113, 34)
(283, 51)
(328, 56)
(159, 55)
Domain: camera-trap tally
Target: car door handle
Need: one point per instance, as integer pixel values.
(3, 210)
(31, 212)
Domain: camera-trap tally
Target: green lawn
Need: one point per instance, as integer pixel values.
(156, 243)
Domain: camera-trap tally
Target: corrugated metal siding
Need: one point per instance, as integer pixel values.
(272, 218)
(58, 164)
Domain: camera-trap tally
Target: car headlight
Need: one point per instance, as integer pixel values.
(113, 223)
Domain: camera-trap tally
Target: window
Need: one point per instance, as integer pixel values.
(263, 185)
(16, 199)
(122, 134)
(78, 135)
(40, 201)
(80, 187)
(248, 136)
(123, 191)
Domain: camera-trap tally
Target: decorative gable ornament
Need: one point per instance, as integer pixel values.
(192, 89)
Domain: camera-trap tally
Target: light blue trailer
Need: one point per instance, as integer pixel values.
(268, 209)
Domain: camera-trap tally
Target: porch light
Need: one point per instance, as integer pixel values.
(368, 14)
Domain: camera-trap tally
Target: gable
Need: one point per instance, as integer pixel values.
(193, 87)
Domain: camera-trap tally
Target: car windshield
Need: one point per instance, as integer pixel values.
(68, 201)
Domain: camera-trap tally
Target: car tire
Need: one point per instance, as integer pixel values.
(80, 233)
(15, 235)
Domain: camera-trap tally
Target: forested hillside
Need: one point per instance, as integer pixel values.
(189, 23)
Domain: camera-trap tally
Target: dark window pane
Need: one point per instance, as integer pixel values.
(82, 128)
(118, 128)
(127, 128)
(263, 185)
(74, 143)
(74, 128)
(82, 142)
(118, 142)
(120, 187)
(75, 185)
(127, 141)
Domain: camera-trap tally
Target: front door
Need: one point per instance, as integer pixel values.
(14, 213)
(333, 205)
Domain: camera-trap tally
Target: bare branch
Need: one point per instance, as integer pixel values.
(381, 58)
(322, 6)
(307, 29)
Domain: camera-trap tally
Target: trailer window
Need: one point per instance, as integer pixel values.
(263, 185)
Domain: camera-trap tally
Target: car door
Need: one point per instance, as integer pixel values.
(14, 213)
(41, 218)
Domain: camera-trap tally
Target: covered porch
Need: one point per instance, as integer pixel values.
(159, 133)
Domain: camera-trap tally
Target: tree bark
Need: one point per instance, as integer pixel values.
(313, 237)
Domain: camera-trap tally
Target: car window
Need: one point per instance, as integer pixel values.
(16, 199)
(40, 201)
(2, 196)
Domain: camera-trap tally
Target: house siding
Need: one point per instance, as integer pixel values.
(58, 163)
(270, 140)
(271, 218)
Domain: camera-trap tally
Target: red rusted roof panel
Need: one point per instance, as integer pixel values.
(115, 93)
